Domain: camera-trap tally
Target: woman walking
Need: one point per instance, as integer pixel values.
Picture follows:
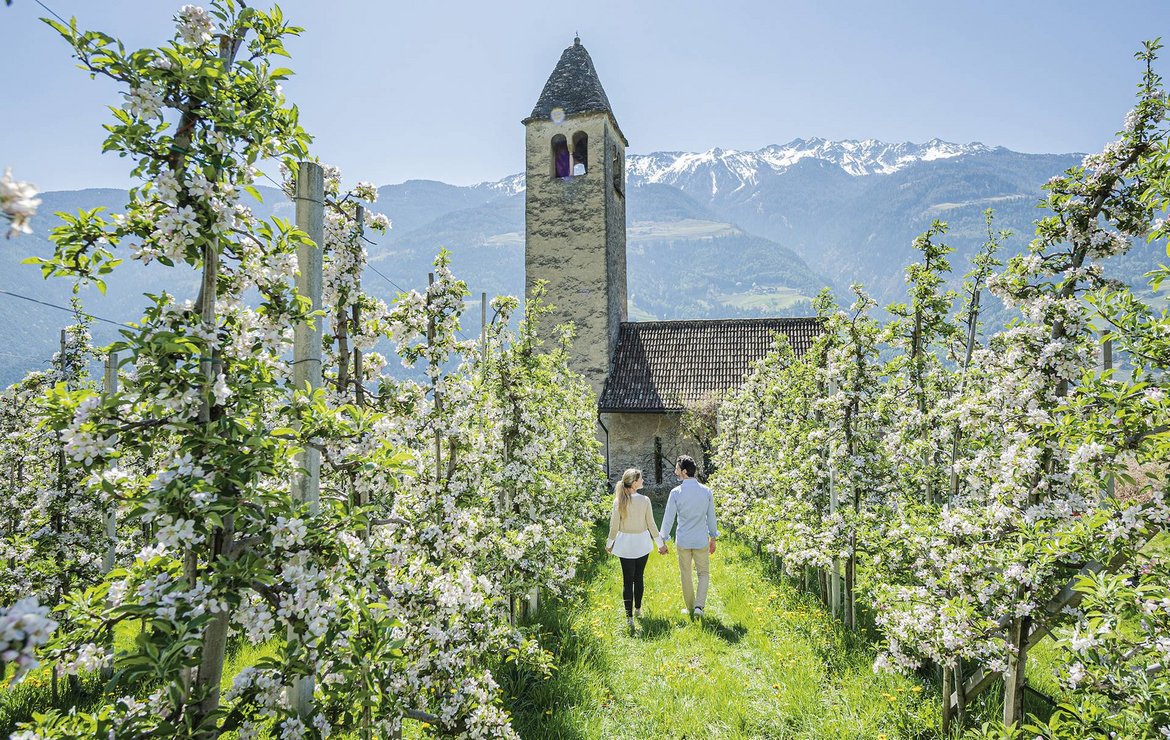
(632, 535)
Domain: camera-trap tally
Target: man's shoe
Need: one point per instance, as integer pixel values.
(685, 612)
(699, 612)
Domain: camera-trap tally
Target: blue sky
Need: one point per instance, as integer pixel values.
(403, 90)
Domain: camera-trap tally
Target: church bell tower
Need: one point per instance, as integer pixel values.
(575, 211)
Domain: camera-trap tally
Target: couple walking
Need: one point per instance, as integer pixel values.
(631, 531)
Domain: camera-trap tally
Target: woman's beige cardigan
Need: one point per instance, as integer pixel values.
(638, 519)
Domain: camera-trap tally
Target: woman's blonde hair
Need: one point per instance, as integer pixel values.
(622, 492)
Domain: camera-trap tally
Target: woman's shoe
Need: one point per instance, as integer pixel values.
(638, 612)
(630, 623)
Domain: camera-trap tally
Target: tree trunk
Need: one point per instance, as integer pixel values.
(210, 670)
(850, 615)
(960, 694)
(1014, 679)
(946, 704)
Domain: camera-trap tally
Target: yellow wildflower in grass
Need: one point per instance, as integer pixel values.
(916, 689)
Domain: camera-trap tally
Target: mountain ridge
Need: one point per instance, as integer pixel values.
(719, 234)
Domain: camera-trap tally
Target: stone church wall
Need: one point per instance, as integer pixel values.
(631, 445)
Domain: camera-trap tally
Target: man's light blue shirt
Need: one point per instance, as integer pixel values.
(693, 505)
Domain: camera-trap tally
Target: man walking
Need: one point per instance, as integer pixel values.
(694, 507)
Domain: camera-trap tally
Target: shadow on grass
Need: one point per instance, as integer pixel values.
(540, 706)
(730, 634)
(655, 628)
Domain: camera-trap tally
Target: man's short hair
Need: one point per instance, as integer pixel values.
(687, 463)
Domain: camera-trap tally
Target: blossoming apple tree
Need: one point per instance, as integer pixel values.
(385, 599)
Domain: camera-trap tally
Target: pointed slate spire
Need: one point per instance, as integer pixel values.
(573, 87)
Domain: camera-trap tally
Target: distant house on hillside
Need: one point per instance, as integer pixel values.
(575, 240)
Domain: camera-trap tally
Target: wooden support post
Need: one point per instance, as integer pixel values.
(835, 573)
(483, 348)
(359, 388)
(438, 396)
(310, 214)
(110, 515)
(110, 387)
(310, 210)
(1106, 366)
(55, 522)
(834, 595)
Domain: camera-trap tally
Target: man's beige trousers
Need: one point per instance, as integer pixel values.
(700, 559)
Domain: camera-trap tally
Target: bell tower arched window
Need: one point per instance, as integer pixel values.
(580, 153)
(560, 157)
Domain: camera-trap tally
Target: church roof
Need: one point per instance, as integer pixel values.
(660, 365)
(573, 87)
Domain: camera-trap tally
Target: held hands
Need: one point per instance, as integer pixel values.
(663, 550)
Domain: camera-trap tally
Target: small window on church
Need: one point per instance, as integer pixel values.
(619, 171)
(560, 157)
(580, 153)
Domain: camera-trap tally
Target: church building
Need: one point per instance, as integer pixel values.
(645, 373)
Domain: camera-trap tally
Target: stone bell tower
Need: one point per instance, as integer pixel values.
(575, 211)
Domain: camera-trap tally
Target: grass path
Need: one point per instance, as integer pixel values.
(766, 662)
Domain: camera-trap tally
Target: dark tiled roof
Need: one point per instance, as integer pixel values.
(573, 87)
(660, 365)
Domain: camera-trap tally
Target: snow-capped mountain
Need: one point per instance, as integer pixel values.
(510, 185)
(723, 171)
(727, 170)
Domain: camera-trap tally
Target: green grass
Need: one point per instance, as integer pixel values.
(34, 693)
(770, 299)
(767, 662)
(687, 228)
